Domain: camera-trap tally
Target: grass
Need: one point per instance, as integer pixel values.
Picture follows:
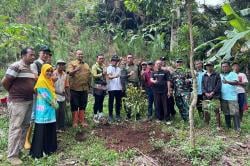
(210, 144)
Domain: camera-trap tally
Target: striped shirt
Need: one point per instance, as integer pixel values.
(22, 82)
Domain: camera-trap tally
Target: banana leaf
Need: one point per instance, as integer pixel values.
(234, 19)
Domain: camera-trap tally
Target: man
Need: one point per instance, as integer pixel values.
(133, 71)
(199, 74)
(182, 88)
(49, 59)
(143, 70)
(62, 93)
(114, 88)
(79, 81)
(99, 86)
(240, 88)
(170, 99)
(133, 78)
(229, 104)
(19, 81)
(161, 90)
(211, 90)
(148, 87)
(43, 57)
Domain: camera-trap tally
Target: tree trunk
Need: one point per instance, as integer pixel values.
(174, 28)
(194, 93)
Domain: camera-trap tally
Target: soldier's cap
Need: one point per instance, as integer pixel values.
(45, 49)
(209, 63)
(163, 58)
(179, 60)
(150, 63)
(60, 61)
(115, 58)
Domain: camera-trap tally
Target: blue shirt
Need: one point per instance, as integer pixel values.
(199, 80)
(44, 112)
(228, 92)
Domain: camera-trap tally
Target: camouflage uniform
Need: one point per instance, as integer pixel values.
(182, 91)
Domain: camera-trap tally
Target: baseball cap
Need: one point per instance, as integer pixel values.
(45, 49)
(115, 58)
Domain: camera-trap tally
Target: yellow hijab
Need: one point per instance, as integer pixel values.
(44, 82)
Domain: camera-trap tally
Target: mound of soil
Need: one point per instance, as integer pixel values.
(125, 136)
(130, 135)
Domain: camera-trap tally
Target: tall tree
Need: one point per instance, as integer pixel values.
(194, 93)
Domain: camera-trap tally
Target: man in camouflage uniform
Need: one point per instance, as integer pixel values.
(182, 88)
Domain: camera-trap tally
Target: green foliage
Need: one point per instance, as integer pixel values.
(136, 101)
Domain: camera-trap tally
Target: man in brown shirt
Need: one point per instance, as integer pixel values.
(79, 81)
(19, 81)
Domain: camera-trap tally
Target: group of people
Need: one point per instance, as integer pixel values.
(38, 93)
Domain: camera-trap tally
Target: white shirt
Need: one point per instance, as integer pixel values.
(115, 83)
(242, 78)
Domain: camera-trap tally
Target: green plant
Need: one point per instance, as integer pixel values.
(136, 101)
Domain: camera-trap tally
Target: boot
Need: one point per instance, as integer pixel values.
(82, 118)
(206, 117)
(228, 121)
(236, 119)
(75, 119)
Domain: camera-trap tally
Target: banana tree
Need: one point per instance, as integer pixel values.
(228, 46)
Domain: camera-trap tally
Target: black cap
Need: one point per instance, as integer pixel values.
(45, 49)
(150, 63)
(115, 58)
(162, 58)
(179, 60)
(209, 63)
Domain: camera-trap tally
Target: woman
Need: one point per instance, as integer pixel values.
(44, 138)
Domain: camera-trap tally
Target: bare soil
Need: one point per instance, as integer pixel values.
(138, 136)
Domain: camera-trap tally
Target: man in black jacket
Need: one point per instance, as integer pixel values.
(211, 90)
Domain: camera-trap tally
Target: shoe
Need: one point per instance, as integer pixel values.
(100, 115)
(168, 122)
(96, 118)
(110, 119)
(15, 161)
(118, 118)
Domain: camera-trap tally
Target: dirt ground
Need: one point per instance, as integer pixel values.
(138, 136)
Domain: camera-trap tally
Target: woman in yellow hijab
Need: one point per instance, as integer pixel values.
(44, 138)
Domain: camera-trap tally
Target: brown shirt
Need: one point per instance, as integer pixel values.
(81, 80)
(22, 81)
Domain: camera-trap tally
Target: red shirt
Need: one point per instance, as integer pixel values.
(147, 75)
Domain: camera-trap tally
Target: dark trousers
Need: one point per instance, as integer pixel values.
(199, 105)
(170, 104)
(241, 101)
(44, 140)
(150, 96)
(60, 115)
(161, 108)
(98, 105)
(117, 96)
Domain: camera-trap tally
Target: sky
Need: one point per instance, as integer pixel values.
(211, 2)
